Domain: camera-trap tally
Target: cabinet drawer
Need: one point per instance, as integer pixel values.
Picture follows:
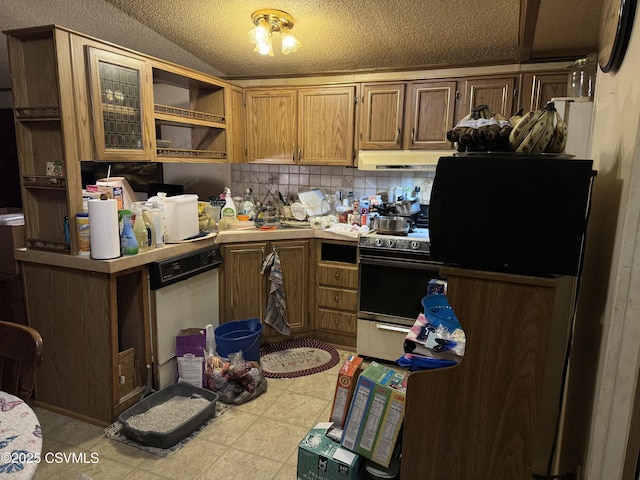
(338, 299)
(333, 321)
(336, 276)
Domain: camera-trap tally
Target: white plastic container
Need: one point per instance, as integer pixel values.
(181, 214)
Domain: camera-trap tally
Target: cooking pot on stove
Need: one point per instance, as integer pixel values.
(402, 208)
(407, 207)
(391, 225)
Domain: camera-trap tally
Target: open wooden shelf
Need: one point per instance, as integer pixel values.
(182, 116)
(44, 182)
(186, 153)
(48, 245)
(25, 114)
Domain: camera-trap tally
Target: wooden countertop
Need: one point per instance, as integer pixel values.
(170, 250)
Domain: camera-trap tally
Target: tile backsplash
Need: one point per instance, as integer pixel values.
(287, 179)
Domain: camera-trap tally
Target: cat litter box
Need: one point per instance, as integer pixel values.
(164, 418)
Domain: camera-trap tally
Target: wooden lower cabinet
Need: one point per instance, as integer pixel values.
(485, 413)
(245, 290)
(95, 335)
(336, 286)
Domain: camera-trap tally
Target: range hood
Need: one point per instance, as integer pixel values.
(410, 160)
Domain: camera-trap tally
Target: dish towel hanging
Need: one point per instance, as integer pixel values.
(276, 314)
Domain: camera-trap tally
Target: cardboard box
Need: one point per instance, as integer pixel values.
(11, 237)
(321, 458)
(376, 413)
(347, 378)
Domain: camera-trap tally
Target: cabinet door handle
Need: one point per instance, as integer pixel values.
(262, 252)
(299, 155)
(413, 132)
(335, 321)
(337, 275)
(293, 154)
(337, 299)
(398, 136)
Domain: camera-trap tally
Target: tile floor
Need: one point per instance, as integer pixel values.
(257, 440)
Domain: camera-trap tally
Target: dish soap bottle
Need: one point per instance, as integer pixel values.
(228, 213)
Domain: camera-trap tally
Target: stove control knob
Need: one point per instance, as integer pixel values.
(415, 245)
(378, 242)
(389, 243)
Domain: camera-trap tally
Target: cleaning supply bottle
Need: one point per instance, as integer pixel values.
(228, 213)
(229, 209)
(140, 229)
(148, 223)
(157, 216)
(248, 206)
(128, 242)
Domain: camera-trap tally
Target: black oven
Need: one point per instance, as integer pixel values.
(394, 274)
(392, 284)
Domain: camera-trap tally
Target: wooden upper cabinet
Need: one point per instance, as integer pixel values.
(326, 125)
(306, 125)
(236, 135)
(271, 125)
(121, 106)
(382, 116)
(430, 114)
(539, 88)
(497, 92)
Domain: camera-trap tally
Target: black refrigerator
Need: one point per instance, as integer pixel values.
(521, 214)
(510, 213)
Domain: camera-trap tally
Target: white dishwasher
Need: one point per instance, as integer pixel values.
(184, 294)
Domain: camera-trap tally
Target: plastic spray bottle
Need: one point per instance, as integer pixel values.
(228, 213)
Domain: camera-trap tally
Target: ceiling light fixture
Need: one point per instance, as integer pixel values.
(268, 21)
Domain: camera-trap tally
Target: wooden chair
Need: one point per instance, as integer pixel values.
(20, 354)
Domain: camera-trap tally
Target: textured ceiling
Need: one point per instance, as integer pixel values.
(336, 35)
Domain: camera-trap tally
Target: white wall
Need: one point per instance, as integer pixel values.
(612, 269)
(202, 179)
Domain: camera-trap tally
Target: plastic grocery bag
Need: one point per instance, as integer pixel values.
(190, 353)
(436, 339)
(235, 381)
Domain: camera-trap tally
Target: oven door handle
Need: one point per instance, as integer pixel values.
(396, 262)
(392, 328)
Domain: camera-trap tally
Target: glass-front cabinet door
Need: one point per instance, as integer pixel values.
(122, 107)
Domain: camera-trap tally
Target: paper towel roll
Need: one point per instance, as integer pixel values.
(104, 229)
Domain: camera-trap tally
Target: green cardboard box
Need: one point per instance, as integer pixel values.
(376, 414)
(322, 458)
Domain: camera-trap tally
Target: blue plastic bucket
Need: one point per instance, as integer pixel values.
(231, 337)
